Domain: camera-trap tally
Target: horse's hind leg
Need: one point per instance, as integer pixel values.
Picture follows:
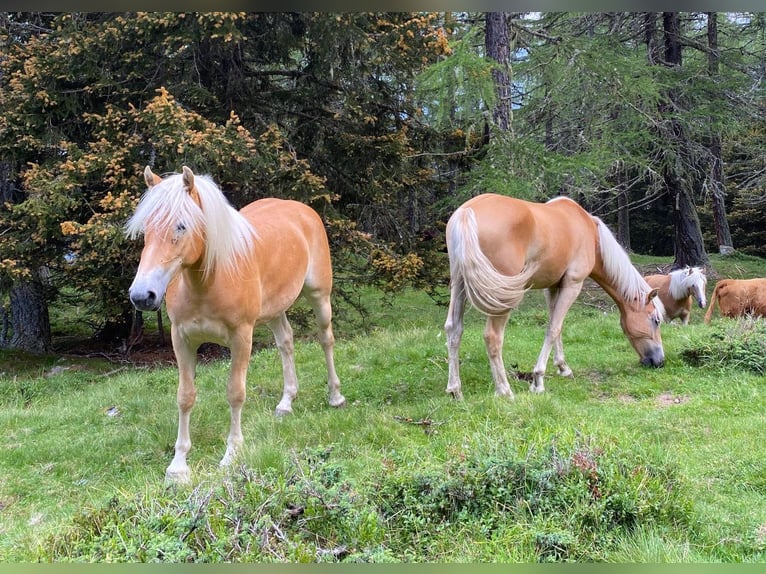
(494, 333)
(236, 390)
(323, 311)
(283, 336)
(453, 327)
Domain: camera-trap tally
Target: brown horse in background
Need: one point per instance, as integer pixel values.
(501, 246)
(677, 289)
(221, 273)
(738, 297)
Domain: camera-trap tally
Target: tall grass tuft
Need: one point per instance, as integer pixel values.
(739, 343)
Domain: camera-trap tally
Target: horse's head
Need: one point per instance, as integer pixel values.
(169, 217)
(697, 281)
(641, 322)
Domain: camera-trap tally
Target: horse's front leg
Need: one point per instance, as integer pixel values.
(283, 336)
(236, 390)
(453, 328)
(559, 301)
(186, 395)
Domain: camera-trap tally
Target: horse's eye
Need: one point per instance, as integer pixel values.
(180, 228)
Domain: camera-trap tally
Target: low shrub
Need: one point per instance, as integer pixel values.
(564, 503)
(573, 501)
(738, 343)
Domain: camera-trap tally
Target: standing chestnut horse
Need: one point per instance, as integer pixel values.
(676, 290)
(221, 273)
(738, 297)
(501, 246)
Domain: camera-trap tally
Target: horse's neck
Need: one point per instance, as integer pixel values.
(609, 287)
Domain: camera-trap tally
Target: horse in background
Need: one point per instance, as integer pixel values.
(738, 297)
(500, 246)
(677, 289)
(221, 273)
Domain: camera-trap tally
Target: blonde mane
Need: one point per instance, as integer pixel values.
(168, 204)
(683, 281)
(620, 269)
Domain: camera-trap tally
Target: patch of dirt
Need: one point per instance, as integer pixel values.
(669, 399)
(150, 352)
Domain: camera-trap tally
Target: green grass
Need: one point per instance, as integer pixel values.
(677, 449)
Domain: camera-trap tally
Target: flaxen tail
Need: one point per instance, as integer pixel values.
(487, 289)
(713, 299)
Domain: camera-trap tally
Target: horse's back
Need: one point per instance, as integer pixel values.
(281, 222)
(281, 213)
(291, 242)
(554, 236)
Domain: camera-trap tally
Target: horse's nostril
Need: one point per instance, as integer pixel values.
(151, 297)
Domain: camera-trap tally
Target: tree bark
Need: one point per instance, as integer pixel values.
(498, 46)
(650, 37)
(30, 323)
(689, 245)
(716, 178)
(623, 217)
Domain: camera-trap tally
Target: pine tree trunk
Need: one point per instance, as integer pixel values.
(717, 200)
(689, 249)
(30, 323)
(497, 44)
(623, 218)
(720, 222)
(689, 245)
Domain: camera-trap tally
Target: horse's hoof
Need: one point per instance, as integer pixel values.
(279, 413)
(177, 477)
(339, 404)
(457, 395)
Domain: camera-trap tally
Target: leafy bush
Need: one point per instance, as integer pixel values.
(573, 502)
(308, 514)
(739, 343)
(563, 504)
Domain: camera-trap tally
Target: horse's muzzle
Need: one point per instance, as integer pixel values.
(655, 359)
(146, 301)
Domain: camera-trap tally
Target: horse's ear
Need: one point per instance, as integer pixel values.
(150, 177)
(652, 294)
(188, 179)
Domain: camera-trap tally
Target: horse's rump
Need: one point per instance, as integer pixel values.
(737, 297)
(490, 291)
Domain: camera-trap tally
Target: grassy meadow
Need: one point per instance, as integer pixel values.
(618, 464)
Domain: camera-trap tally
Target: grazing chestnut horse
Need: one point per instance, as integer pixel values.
(677, 289)
(501, 246)
(738, 297)
(221, 273)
